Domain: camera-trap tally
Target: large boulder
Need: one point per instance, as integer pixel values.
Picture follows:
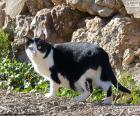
(57, 24)
(22, 25)
(2, 12)
(103, 8)
(35, 5)
(115, 36)
(17, 7)
(59, 2)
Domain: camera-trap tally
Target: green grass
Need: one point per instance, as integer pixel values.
(4, 43)
(21, 77)
(127, 80)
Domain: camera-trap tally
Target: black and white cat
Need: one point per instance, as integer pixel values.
(79, 66)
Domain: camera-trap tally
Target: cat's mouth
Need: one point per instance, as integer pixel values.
(33, 53)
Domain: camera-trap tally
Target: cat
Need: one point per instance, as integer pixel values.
(75, 65)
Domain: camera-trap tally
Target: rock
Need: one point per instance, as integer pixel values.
(109, 3)
(15, 7)
(22, 25)
(137, 53)
(114, 35)
(65, 20)
(2, 12)
(57, 24)
(105, 11)
(128, 57)
(132, 8)
(42, 23)
(137, 64)
(123, 11)
(103, 8)
(2, 17)
(93, 24)
(35, 5)
(59, 2)
(84, 5)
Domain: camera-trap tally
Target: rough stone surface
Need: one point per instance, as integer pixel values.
(15, 7)
(114, 35)
(2, 12)
(137, 53)
(103, 8)
(132, 7)
(128, 57)
(57, 24)
(22, 25)
(59, 2)
(65, 20)
(35, 5)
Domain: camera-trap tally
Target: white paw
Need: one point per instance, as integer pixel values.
(48, 95)
(78, 99)
(107, 101)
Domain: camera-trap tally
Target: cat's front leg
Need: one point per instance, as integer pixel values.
(53, 89)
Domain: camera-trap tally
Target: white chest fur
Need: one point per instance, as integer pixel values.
(42, 66)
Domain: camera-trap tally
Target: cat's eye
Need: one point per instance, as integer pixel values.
(39, 47)
(31, 48)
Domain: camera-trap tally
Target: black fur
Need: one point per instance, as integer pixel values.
(109, 92)
(89, 85)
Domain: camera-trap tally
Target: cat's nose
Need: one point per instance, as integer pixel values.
(34, 52)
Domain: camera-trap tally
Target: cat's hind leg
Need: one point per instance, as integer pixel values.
(108, 88)
(86, 90)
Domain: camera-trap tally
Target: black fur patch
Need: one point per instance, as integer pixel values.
(43, 46)
(109, 92)
(73, 59)
(54, 75)
(88, 84)
(28, 42)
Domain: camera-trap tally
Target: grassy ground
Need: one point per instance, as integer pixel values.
(20, 77)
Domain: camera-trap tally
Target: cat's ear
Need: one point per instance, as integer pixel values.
(27, 39)
(42, 36)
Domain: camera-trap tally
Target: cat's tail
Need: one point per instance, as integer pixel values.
(119, 86)
(107, 70)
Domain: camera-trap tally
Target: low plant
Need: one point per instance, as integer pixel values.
(18, 76)
(4, 43)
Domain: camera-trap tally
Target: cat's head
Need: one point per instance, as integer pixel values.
(36, 48)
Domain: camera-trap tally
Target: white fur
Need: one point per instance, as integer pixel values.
(63, 80)
(41, 65)
(95, 76)
(53, 89)
(92, 74)
(107, 100)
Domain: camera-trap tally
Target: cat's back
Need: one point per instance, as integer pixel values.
(79, 48)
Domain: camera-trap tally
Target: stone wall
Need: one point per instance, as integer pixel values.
(104, 22)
